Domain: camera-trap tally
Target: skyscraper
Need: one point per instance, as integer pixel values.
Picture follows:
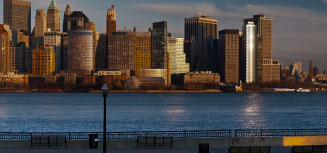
(17, 14)
(159, 38)
(4, 49)
(248, 53)
(142, 52)
(228, 54)
(53, 39)
(120, 51)
(68, 12)
(111, 20)
(43, 61)
(17, 56)
(200, 30)
(40, 23)
(53, 17)
(311, 69)
(101, 55)
(268, 70)
(177, 57)
(80, 51)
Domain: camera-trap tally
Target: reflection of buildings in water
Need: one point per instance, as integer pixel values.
(252, 112)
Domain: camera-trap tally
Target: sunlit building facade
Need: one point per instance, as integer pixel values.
(120, 51)
(53, 17)
(177, 57)
(43, 61)
(80, 51)
(111, 20)
(40, 23)
(53, 39)
(142, 52)
(4, 49)
(248, 53)
(267, 68)
(154, 73)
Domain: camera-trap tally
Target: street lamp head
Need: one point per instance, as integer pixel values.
(105, 90)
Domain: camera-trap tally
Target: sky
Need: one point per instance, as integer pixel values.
(299, 28)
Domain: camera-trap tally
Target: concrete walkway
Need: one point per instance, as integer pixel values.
(174, 150)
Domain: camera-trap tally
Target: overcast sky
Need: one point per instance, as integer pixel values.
(299, 30)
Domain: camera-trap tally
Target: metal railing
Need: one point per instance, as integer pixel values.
(173, 134)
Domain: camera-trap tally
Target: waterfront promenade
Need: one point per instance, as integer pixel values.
(174, 150)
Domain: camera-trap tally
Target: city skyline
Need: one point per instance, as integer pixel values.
(290, 42)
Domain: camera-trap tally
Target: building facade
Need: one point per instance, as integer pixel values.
(142, 52)
(101, 55)
(111, 20)
(67, 13)
(177, 57)
(296, 68)
(201, 78)
(80, 51)
(228, 54)
(40, 23)
(248, 53)
(154, 73)
(53, 39)
(64, 51)
(159, 37)
(53, 17)
(43, 61)
(120, 51)
(4, 46)
(17, 57)
(266, 66)
(200, 30)
(17, 14)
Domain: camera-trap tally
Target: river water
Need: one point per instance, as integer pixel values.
(83, 112)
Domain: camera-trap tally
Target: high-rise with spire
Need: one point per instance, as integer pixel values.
(68, 12)
(111, 20)
(53, 17)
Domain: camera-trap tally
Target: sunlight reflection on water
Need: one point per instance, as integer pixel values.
(252, 112)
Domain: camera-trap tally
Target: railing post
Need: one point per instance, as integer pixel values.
(295, 132)
(261, 133)
(184, 134)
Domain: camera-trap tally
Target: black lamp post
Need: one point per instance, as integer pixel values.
(105, 93)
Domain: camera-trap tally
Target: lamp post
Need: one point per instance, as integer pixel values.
(105, 93)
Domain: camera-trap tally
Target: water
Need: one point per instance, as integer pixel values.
(83, 112)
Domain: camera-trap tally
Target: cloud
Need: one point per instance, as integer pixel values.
(185, 9)
(324, 1)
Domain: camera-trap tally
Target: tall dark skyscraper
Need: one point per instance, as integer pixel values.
(200, 30)
(228, 66)
(68, 12)
(159, 38)
(17, 14)
(268, 70)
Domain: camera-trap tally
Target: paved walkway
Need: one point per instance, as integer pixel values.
(174, 150)
(181, 150)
